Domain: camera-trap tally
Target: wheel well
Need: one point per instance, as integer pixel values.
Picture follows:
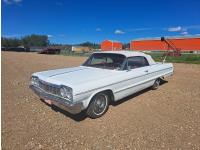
(161, 79)
(109, 93)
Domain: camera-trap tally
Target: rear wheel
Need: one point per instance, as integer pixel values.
(156, 84)
(98, 106)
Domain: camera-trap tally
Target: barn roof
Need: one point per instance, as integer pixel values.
(167, 37)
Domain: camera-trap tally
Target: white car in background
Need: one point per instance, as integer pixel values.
(104, 77)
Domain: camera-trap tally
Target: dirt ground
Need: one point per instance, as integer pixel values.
(167, 118)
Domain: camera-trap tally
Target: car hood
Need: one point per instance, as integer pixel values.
(74, 76)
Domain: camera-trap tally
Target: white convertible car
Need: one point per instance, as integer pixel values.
(104, 77)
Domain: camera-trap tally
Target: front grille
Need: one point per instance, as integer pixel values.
(53, 89)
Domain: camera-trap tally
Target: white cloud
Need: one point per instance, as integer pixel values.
(175, 29)
(184, 33)
(98, 29)
(119, 31)
(9, 2)
(181, 30)
(50, 36)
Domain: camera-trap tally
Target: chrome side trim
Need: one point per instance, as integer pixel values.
(134, 86)
(120, 82)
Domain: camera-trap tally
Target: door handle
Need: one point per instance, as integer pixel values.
(146, 71)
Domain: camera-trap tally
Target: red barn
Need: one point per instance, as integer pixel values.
(109, 45)
(182, 43)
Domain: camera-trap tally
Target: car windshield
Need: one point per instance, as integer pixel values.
(106, 61)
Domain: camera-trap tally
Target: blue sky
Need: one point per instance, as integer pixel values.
(75, 21)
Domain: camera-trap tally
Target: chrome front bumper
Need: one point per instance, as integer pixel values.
(62, 103)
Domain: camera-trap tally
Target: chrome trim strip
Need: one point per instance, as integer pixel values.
(120, 82)
(134, 86)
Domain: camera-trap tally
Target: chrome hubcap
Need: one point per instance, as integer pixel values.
(101, 102)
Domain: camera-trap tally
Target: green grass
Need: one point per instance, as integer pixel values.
(184, 58)
(81, 54)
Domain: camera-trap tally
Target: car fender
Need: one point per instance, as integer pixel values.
(89, 99)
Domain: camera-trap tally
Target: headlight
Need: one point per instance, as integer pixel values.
(66, 92)
(34, 81)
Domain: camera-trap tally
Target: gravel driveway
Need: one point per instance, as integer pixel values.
(167, 118)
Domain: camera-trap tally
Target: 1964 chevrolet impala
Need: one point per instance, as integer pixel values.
(104, 77)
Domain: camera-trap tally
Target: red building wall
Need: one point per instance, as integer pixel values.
(108, 45)
(185, 44)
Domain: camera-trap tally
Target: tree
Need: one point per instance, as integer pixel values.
(10, 42)
(126, 46)
(26, 41)
(35, 40)
(89, 44)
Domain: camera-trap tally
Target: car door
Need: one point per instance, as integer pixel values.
(136, 76)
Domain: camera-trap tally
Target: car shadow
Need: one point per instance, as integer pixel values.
(82, 116)
(76, 117)
(115, 103)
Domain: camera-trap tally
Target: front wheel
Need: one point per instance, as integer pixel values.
(98, 106)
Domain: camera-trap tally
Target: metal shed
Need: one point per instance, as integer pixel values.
(109, 45)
